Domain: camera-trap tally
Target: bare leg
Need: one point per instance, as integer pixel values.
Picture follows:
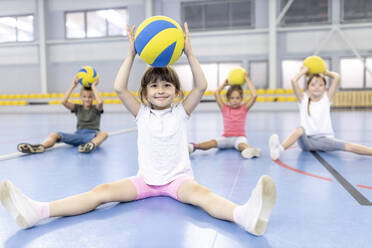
(207, 145)
(292, 138)
(100, 137)
(193, 193)
(359, 149)
(119, 191)
(51, 140)
(253, 215)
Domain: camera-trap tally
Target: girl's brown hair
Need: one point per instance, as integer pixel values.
(232, 88)
(307, 86)
(167, 74)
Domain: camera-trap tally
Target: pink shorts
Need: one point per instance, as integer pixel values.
(145, 190)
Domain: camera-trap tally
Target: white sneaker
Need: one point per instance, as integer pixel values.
(18, 205)
(251, 153)
(274, 145)
(191, 147)
(258, 208)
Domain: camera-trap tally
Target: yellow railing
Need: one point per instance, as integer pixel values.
(341, 99)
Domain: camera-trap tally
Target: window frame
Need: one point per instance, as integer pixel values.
(16, 28)
(267, 71)
(85, 11)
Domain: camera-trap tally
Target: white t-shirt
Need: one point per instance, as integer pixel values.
(319, 121)
(162, 144)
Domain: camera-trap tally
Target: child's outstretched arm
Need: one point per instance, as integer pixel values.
(121, 80)
(252, 89)
(66, 96)
(217, 95)
(98, 97)
(336, 80)
(200, 82)
(294, 81)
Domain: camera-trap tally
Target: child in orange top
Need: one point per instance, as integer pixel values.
(234, 115)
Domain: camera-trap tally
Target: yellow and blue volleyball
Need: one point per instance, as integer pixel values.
(159, 41)
(236, 76)
(315, 64)
(87, 75)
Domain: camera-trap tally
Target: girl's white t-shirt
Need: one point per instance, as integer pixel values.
(319, 121)
(162, 144)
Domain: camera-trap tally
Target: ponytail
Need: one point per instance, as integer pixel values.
(308, 106)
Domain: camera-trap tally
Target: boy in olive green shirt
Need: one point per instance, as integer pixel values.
(88, 135)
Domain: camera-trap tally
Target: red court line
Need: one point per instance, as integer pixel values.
(365, 187)
(300, 171)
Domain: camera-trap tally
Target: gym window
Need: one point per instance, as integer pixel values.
(356, 10)
(215, 73)
(16, 28)
(306, 12)
(218, 15)
(96, 23)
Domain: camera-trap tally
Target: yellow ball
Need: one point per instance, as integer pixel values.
(159, 41)
(315, 64)
(236, 76)
(87, 75)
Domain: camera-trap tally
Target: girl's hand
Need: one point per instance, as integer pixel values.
(94, 84)
(75, 82)
(130, 32)
(304, 69)
(246, 75)
(187, 48)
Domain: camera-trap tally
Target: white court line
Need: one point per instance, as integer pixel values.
(19, 154)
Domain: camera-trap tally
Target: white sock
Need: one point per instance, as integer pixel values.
(238, 215)
(41, 208)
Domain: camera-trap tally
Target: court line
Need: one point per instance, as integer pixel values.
(364, 186)
(300, 171)
(20, 154)
(359, 197)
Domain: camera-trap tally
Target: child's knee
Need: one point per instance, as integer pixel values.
(299, 131)
(101, 191)
(103, 134)
(55, 136)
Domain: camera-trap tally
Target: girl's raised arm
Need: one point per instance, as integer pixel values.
(200, 82)
(252, 89)
(336, 80)
(121, 80)
(217, 95)
(295, 86)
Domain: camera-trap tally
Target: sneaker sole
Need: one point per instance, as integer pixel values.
(256, 153)
(273, 143)
(6, 191)
(268, 202)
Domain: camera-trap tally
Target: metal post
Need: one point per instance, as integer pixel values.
(43, 63)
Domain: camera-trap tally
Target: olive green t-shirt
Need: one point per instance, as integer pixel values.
(87, 118)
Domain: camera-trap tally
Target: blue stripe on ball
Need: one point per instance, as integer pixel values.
(149, 32)
(165, 56)
(83, 70)
(80, 81)
(94, 73)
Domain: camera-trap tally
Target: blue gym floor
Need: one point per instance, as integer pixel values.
(313, 209)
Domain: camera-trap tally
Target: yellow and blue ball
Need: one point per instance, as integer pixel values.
(87, 75)
(159, 41)
(236, 76)
(315, 64)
